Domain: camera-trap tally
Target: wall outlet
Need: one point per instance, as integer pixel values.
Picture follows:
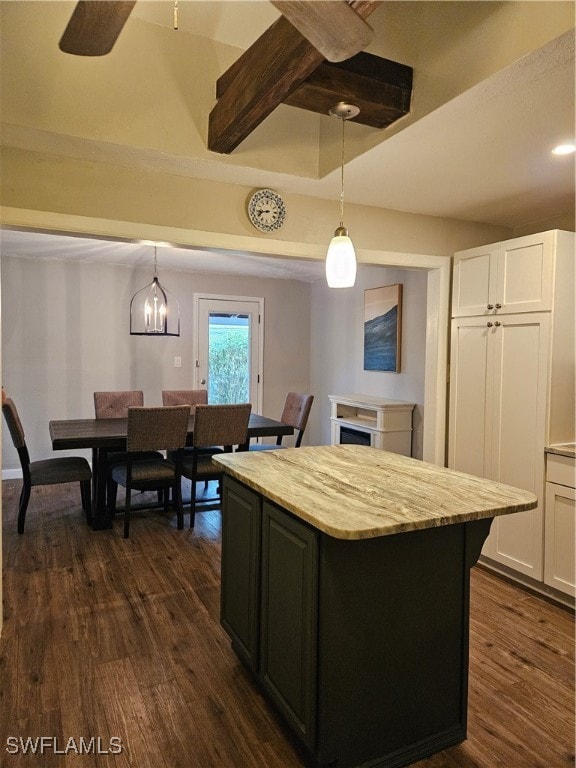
(177, 362)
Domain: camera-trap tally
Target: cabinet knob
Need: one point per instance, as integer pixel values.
(489, 306)
(489, 325)
(498, 306)
(496, 323)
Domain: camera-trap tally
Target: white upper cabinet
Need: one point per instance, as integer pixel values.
(503, 278)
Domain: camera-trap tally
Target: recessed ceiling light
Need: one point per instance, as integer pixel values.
(564, 149)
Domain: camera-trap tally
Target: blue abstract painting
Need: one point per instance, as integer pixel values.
(382, 328)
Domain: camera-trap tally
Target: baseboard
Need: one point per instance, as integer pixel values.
(529, 585)
(11, 474)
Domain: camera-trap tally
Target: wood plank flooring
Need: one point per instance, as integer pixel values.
(106, 637)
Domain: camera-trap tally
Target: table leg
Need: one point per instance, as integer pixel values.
(100, 517)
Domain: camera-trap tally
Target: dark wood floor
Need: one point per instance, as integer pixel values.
(106, 637)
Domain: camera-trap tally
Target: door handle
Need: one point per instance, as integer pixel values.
(202, 381)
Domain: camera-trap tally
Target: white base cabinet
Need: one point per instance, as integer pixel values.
(560, 533)
(512, 380)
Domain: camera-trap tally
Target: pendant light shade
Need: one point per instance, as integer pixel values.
(341, 256)
(341, 261)
(154, 311)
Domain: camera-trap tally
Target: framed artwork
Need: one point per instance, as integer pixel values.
(383, 328)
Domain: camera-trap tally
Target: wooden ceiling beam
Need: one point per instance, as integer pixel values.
(382, 89)
(263, 78)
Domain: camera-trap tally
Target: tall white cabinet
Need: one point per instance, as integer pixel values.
(512, 376)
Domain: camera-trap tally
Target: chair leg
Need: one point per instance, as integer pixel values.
(178, 503)
(111, 495)
(127, 513)
(86, 493)
(192, 503)
(23, 506)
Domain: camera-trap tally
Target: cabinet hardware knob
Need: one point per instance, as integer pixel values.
(489, 325)
(496, 323)
(490, 306)
(498, 306)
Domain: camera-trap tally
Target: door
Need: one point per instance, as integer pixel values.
(289, 616)
(517, 419)
(474, 281)
(240, 584)
(471, 380)
(525, 274)
(228, 348)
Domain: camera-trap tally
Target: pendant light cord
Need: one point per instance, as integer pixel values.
(155, 262)
(342, 179)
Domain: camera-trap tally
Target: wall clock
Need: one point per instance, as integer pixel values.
(266, 210)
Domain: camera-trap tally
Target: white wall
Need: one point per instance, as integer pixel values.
(65, 334)
(337, 351)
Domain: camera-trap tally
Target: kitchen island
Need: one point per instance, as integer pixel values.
(345, 590)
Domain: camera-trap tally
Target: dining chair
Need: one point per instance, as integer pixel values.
(192, 397)
(295, 413)
(64, 469)
(225, 425)
(152, 429)
(114, 404)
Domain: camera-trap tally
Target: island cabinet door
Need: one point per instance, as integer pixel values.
(240, 588)
(288, 642)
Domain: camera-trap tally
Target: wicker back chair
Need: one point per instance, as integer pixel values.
(64, 469)
(149, 430)
(114, 405)
(295, 413)
(225, 425)
(191, 397)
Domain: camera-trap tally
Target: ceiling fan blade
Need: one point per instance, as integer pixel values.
(332, 26)
(94, 26)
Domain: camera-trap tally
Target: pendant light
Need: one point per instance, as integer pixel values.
(153, 309)
(341, 257)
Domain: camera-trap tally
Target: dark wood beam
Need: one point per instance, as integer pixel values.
(94, 26)
(263, 78)
(381, 89)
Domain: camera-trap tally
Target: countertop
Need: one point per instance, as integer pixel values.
(358, 492)
(562, 449)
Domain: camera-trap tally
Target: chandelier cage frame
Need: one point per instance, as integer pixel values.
(154, 310)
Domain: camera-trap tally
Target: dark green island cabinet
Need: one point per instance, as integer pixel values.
(358, 637)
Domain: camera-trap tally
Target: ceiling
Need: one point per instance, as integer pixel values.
(483, 156)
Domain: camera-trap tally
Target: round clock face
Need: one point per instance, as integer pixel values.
(266, 210)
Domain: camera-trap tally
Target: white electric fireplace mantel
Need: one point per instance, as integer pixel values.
(374, 421)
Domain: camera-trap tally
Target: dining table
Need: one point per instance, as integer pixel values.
(105, 435)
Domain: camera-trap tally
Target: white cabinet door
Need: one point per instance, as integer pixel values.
(517, 419)
(471, 385)
(505, 278)
(525, 274)
(559, 537)
(474, 281)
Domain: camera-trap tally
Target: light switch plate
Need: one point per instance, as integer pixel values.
(177, 362)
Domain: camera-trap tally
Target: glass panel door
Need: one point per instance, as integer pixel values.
(229, 348)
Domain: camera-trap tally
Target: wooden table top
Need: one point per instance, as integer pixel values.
(69, 434)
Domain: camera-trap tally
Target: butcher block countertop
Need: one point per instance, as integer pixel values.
(358, 492)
